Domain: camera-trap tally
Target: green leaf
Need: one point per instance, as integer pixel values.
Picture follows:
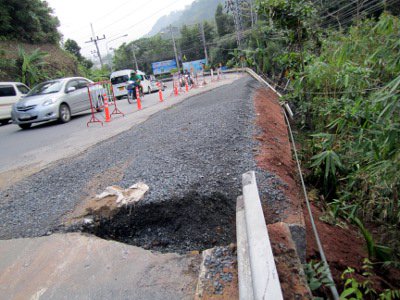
(347, 292)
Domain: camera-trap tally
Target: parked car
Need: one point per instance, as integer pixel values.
(154, 84)
(57, 99)
(119, 81)
(10, 93)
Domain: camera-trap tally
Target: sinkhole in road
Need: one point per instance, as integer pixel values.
(194, 222)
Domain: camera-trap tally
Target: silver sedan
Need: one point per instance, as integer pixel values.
(54, 100)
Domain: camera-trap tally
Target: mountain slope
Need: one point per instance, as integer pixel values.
(199, 10)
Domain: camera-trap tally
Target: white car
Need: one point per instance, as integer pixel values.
(119, 80)
(56, 99)
(10, 93)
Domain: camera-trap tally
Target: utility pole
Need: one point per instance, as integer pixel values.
(176, 52)
(94, 39)
(203, 38)
(134, 57)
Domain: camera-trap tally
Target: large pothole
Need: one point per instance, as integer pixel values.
(195, 222)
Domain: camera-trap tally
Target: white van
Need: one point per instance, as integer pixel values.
(119, 81)
(10, 93)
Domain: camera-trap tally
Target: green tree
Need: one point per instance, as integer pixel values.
(209, 32)
(72, 47)
(147, 50)
(190, 43)
(29, 21)
(31, 66)
(224, 22)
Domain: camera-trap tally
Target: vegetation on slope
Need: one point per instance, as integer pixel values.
(28, 21)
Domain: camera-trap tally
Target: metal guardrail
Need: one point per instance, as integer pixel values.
(258, 277)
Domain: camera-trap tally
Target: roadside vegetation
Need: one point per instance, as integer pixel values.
(29, 45)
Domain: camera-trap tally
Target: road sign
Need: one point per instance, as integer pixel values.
(162, 67)
(196, 65)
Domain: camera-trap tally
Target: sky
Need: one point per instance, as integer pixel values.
(113, 19)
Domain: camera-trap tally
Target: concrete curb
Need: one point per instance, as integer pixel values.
(264, 276)
(244, 270)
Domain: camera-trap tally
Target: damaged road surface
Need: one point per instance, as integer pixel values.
(74, 266)
(57, 240)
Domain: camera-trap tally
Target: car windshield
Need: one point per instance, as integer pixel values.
(48, 87)
(119, 79)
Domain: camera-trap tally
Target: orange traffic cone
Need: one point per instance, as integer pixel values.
(139, 103)
(176, 89)
(107, 111)
(160, 95)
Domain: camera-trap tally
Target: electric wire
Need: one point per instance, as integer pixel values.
(150, 16)
(332, 287)
(369, 8)
(351, 13)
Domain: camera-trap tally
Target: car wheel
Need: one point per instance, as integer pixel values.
(4, 122)
(25, 126)
(100, 104)
(64, 113)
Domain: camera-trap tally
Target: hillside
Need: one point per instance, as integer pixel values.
(199, 10)
(58, 62)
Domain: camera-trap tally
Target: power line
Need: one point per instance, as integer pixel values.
(148, 17)
(368, 8)
(349, 16)
(126, 16)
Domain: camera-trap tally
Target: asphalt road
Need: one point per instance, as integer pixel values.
(25, 152)
(16, 144)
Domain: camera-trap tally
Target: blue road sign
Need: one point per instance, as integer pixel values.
(162, 67)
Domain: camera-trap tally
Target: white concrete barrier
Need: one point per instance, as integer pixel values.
(244, 270)
(254, 248)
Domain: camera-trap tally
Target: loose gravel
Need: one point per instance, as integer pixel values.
(200, 146)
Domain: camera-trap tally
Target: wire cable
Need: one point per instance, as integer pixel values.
(332, 287)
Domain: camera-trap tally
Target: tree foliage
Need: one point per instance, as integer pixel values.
(353, 92)
(31, 66)
(28, 21)
(72, 47)
(223, 21)
(147, 50)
